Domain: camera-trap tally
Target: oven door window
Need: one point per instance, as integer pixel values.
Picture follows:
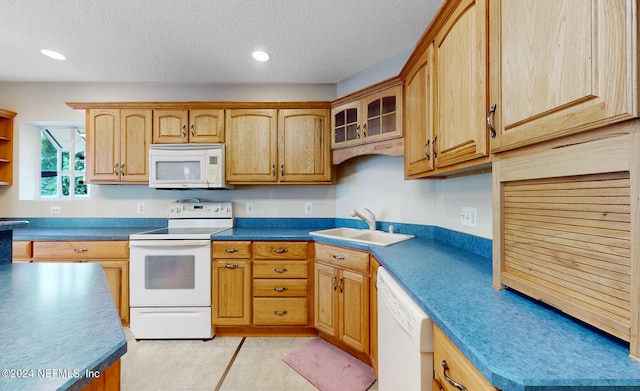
(169, 272)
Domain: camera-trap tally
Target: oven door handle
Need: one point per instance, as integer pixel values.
(169, 243)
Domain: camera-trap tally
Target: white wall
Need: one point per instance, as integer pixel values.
(377, 183)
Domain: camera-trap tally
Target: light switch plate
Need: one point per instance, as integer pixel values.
(249, 208)
(308, 208)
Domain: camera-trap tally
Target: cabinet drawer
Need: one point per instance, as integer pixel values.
(231, 249)
(460, 368)
(22, 249)
(107, 249)
(280, 287)
(281, 250)
(343, 257)
(280, 269)
(279, 311)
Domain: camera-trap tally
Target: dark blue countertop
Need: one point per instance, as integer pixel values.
(515, 342)
(57, 322)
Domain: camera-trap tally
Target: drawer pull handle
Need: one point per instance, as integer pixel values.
(277, 289)
(280, 313)
(280, 250)
(279, 270)
(338, 257)
(80, 250)
(450, 380)
(231, 265)
(231, 250)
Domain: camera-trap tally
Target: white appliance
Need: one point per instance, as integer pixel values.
(405, 339)
(170, 272)
(187, 166)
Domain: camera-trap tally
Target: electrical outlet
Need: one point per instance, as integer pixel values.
(308, 208)
(140, 208)
(469, 217)
(249, 208)
(55, 210)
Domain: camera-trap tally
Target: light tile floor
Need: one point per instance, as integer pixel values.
(210, 365)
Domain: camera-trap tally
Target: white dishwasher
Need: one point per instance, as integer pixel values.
(405, 339)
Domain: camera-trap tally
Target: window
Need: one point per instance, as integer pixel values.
(62, 168)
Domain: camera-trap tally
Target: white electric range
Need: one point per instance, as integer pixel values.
(170, 272)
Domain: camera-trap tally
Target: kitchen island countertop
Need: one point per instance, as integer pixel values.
(60, 328)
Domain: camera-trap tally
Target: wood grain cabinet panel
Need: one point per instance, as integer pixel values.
(231, 289)
(188, 126)
(561, 67)
(342, 295)
(117, 142)
(458, 367)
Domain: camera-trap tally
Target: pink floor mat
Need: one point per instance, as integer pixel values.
(329, 368)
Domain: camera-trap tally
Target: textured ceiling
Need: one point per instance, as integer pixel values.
(205, 41)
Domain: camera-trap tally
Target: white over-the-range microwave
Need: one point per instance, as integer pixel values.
(187, 166)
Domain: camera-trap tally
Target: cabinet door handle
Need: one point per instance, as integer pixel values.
(279, 270)
(364, 130)
(280, 313)
(282, 170)
(273, 170)
(340, 284)
(433, 147)
(231, 250)
(333, 282)
(492, 110)
(115, 169)
(184, 130)
(426, 149)
(338, 257)
(358, 131)
(280, 250)
(80, 250)
(277, 289)
(450, 380)
(231, 265)
(122, 169)
(193, 133)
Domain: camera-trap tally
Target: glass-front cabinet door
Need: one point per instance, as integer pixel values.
(375, 117)
(346, 125)
(383, 115)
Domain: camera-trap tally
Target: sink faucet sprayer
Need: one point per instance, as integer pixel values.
(371, 220)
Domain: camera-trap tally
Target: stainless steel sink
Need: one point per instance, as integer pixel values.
(378, 238)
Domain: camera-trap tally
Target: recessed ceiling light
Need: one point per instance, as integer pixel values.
(52, 54)
(261, 56)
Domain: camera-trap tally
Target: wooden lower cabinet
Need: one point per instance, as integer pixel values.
(113, 255)
(374, 264)
(342, 295)
(280, 284)
(231, 283)
(458, 367)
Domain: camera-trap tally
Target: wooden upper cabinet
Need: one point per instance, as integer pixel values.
(188, 126)
(277, 146)
(303, 149)
(374, 117)
(117, 142)
(460, 74)
(134, 142)
(252, 142)
(560, 67)
(418, 90)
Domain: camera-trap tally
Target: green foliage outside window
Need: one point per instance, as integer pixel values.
(56, 168)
